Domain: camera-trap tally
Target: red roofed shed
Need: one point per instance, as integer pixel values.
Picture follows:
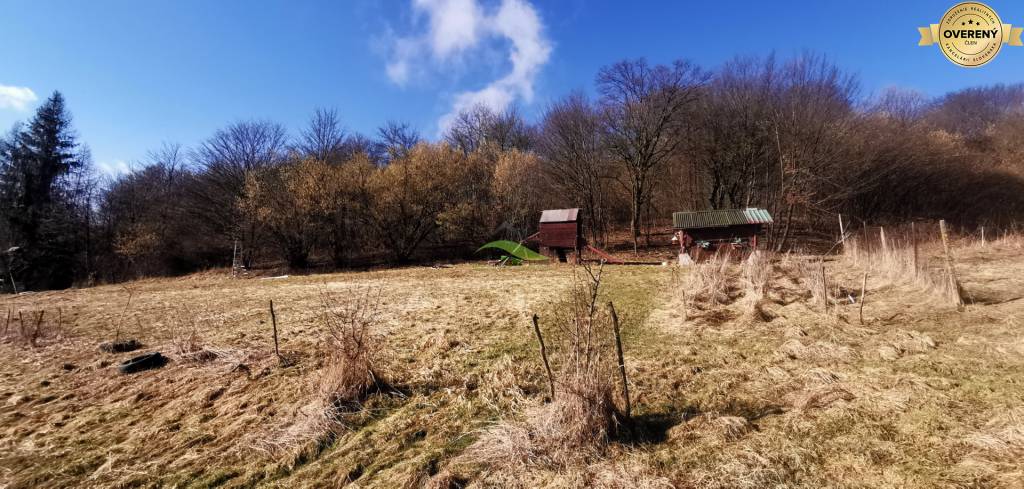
(560, 230)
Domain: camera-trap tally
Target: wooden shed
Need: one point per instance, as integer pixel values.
(710, 230)
(561, 231)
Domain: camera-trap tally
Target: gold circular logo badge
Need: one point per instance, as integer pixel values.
(970, 34)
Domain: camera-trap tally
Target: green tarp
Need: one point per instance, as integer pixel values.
(515, 249)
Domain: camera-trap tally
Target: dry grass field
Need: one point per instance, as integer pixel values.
(741, 376)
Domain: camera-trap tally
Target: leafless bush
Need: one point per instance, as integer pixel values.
(814, 278)
(185, 335)
(903, 256)
(757, 275)
(708, 284)
(351, 373)
(33, 329)
(577, 424)
(354, 354)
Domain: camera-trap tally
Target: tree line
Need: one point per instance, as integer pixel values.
(795, 136)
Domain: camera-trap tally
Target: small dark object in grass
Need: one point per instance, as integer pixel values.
(68, 366)
(120, 346)
(143, 362)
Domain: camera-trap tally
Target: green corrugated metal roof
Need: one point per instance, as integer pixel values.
(720, 218)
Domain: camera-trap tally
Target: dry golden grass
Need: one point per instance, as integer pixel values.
(920, 395)
(575, 427)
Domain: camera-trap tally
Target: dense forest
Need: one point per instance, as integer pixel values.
(795, 136)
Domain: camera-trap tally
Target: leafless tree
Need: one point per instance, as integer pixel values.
(324, 137)
(397, 139)
(570, 141)
(224, 161)
(642, 114)
(478, 126)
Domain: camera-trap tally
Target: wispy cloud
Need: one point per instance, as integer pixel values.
(113, 168)
(17, 98)
(454, 29)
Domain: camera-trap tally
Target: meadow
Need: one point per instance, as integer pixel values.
(785, 370)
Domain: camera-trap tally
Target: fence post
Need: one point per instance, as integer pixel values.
(913, 237)
(863, 295)
(273, 322)
(544, 355)
(842, 233)
(954, 281)
(622, 360)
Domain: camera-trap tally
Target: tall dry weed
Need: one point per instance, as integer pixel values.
(903, 259)
(578, 423)
(757, 272)
(709, 283)
(351, 373)
(354, 350)
(814, 279)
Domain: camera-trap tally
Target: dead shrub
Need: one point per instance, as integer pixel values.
(756, 275)
(709, 283)
(185, 335)
(900, 258)
(716, 282)
(813, 278)
(354, 350)
(578, 423)
(34, 329)
(351, 373)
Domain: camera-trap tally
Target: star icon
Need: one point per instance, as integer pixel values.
(970, 21)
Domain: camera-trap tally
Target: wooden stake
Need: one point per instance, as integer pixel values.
(983, 236)
(881, 236)
(913, 237)
(273, 322)
(622, 359)
(544, 355)
(954, 282)
(117, 330)
(863, 295)
(842, 233)
(8, 322)
(835, 308)
(35, 333)
(824, 285)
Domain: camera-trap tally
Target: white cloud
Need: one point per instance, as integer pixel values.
(457, 27)
(454, 24)
(114, 168)
(17, 98)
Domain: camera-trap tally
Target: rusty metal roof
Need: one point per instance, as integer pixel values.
(559, 215)
(720, 218)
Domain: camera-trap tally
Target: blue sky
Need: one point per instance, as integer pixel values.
(140, 73)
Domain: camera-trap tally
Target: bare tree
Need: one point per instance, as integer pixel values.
(480, 126)
(813, 118)
(324, 137)
(643, 108)
(570, 141)
(397, 139)
(224, 161)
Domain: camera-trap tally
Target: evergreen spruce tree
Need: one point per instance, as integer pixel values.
(36, 198)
